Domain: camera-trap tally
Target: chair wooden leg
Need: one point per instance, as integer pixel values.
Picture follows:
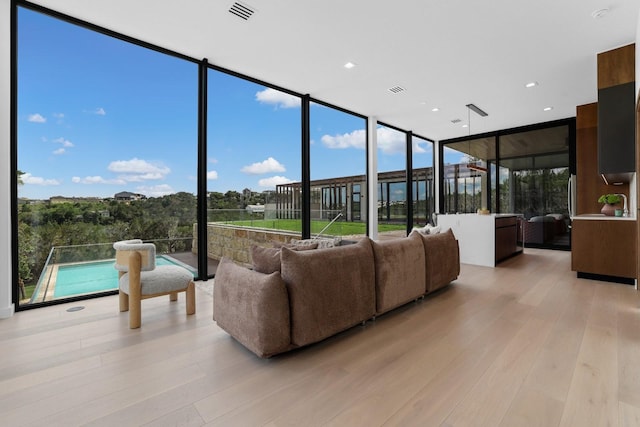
(135, 312)
(124, 301)
(173, 296)
(191, 298)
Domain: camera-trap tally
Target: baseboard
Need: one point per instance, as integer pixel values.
(7, 312)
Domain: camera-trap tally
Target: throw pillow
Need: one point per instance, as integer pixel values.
(265, 260)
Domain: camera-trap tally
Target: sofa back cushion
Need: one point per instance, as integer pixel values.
(267, 260)
(400, 271)
(330, 290)
(442, 258)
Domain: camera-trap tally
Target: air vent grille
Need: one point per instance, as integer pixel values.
(242, 11)
(454, 121)
(396, 89)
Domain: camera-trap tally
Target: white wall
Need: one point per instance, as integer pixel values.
(6, 305)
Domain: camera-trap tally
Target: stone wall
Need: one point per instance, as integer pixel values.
(235, 242)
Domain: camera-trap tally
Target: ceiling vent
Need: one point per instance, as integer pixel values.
(454, 121)
(396, 89)
(242, 11)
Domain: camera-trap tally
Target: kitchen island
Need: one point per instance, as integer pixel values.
(484, 239)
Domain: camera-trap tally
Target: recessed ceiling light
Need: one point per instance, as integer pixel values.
(435, 109)
(349, 65)
(531, 84)
(465, 126)
(547, 108)
(600, 13)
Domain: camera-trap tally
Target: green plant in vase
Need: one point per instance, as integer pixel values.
(610, 203)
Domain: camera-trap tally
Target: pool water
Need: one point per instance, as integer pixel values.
(90, 277)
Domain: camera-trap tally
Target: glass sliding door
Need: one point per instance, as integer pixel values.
(105, 152)
(535, 172)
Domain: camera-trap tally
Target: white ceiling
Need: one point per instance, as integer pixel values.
(446, 54)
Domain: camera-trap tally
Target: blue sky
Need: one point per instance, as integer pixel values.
(97, 116)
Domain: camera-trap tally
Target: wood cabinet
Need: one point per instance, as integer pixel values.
(506, 237)
(604, 247)
(589, 183)
(616, 113)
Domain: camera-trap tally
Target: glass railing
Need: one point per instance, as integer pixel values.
(82, 270)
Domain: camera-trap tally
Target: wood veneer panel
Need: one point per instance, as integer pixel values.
(590, 185)
(606, 247)
(616, 66)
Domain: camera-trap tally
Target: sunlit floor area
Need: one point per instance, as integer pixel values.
(526, 343)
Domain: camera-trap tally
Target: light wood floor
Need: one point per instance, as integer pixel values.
(524, 344)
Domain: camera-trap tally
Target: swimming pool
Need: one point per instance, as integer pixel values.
(91, 277)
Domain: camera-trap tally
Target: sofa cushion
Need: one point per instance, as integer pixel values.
(442, 258)
(267, 260)
(252, 307)
(330, 290)
(400, 271)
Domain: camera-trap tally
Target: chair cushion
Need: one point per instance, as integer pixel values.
(164, 279)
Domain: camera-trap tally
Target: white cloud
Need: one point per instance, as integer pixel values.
(27, 178)
(391, 141)
(138, 170)
(155, 190)
(211, 175)
(65, 142)
(100, 111)
(58, 116)
(277, 98)
(212, 160)
(267, 166)
(273, 181)
(59, 151)
(420, 146)
(36, 118)
(96, 180)
(355, 139)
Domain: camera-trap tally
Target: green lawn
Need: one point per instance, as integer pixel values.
(336, 229)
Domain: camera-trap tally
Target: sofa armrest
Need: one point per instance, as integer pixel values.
(252, 307)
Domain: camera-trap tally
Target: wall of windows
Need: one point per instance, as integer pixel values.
(523, 171)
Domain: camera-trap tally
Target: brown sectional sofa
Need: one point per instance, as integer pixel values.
(318, 293)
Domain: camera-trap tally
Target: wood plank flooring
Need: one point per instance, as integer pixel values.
(523, 344)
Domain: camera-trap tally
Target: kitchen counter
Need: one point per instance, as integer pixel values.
(484, 239)
(602, 217)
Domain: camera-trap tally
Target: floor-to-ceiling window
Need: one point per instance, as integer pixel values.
(392, 181)
(253, 153)
(468, 175)
(423, 181)
(338, 172)
(106, 150)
